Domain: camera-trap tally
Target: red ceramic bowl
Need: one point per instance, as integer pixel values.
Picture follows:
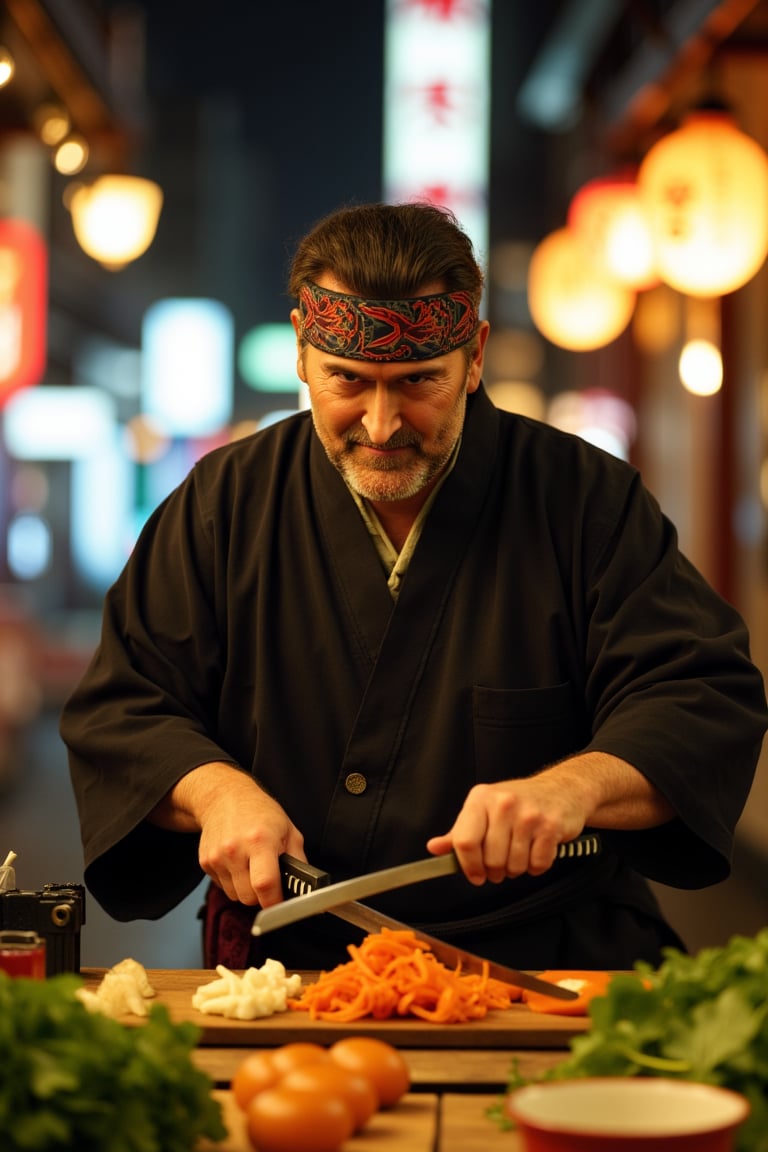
(622, 1114)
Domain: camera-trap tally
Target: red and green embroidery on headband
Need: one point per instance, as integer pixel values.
(420, 328)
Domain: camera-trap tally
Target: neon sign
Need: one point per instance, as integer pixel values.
(23, 306)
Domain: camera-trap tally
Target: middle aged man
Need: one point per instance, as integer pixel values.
(409, 622)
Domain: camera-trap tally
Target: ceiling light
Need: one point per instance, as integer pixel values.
(701, 367)
(7, 67)
(71, 156)
(115, 218)
(51, 123)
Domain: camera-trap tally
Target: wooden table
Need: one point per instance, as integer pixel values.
(419, 1123)
(457, 1071)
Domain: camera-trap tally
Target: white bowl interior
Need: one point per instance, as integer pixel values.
(641, 1107)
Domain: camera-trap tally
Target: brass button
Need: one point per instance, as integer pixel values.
(355, 783)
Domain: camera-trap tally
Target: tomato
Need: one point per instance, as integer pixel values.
(281, 1119)
(256, 1072)
(291, 1056)
(382, 1064)
(591, 984)
(355, 1089)
(260, 1070)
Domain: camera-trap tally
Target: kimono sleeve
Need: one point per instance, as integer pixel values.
(672, 690)
(142, 715)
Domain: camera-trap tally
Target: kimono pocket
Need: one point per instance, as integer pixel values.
(519, 730)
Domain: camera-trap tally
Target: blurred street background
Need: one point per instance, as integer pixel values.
(247, 121)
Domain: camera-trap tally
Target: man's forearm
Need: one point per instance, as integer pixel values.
(182, 808)
(616, 795)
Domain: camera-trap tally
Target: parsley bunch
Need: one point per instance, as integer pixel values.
(701, 1017)
(75, 1079)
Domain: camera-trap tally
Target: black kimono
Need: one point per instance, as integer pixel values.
(546, 610)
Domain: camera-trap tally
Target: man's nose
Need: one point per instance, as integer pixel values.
(382, 416)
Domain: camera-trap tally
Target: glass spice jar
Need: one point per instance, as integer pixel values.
(22, 954)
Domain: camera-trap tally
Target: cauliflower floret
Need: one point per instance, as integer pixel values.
(258, 992)
(90, 998)
(138, 974)
(123, 991)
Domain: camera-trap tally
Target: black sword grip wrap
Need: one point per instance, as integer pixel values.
(299, 878)
(585, 845)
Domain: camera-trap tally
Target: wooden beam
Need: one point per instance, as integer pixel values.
(657, 76)
(88, 109)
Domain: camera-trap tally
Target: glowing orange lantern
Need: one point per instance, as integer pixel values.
(572, 302)
(705, 188)
(23, 306)
(610, 216)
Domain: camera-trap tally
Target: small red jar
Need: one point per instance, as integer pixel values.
(22, 954)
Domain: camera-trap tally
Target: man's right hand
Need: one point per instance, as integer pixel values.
(242, 830)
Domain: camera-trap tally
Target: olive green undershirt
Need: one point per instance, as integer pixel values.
(396, 564)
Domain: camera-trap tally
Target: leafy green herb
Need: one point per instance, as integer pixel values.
(701, 1017)
(72, 1079)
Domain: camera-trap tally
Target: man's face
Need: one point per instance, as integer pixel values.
(389, 428)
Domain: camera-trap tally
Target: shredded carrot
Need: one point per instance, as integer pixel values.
(391, 973)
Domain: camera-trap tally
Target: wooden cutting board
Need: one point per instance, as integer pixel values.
(455, 1123)
(517, 1027)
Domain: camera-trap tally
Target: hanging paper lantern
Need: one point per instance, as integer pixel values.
(705, 188)
(609, 215)
(572, 302)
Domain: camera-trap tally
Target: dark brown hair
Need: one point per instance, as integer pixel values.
(389, 251)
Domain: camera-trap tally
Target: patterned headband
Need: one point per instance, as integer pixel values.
(415, 329)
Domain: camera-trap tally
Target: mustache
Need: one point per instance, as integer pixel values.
(401, 439)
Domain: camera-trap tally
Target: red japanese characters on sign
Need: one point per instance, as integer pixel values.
(446, 9)
(23, 306)
(437, 107)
